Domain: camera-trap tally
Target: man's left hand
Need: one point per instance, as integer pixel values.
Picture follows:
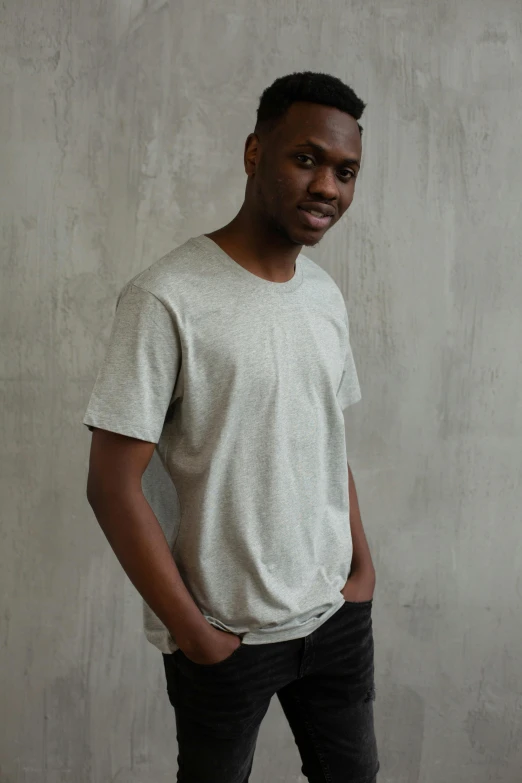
(360, 586)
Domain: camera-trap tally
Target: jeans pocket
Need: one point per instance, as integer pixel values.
(180, 654)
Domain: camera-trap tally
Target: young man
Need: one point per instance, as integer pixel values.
(231, 357)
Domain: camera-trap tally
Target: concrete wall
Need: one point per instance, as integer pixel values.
(122, 127)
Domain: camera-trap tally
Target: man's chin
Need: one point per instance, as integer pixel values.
(308, 238)
(312, 242)
(299, 236)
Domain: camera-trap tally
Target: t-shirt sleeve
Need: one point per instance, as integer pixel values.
(135, 384)
(349, 390)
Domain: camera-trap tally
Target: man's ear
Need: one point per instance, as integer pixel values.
(252, 152)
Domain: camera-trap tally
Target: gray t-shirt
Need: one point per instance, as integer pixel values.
(241, 383)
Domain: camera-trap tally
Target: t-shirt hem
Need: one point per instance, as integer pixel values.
(165, 644)
(356, 397)
(270, 637)
(161, 640)
(101, 423)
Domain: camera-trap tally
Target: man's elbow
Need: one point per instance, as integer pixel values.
(93, 491)
(108, 489)
(98, 491)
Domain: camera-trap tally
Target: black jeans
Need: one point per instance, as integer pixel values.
(324, 682)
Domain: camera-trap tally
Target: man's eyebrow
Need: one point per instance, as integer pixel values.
(321, 150)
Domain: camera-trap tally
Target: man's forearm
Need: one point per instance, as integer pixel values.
(138, 541)
(361, 557)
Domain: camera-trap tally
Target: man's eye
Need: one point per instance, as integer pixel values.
(304, 159)
(347, 173)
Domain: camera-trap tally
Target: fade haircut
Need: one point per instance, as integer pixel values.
(310, 87)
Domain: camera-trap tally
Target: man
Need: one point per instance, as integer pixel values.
(231, 357)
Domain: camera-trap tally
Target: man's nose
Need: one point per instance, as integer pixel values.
(324, 184)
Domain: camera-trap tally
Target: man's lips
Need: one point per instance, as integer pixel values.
(316, 215)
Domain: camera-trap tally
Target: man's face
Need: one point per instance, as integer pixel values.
(304, 171)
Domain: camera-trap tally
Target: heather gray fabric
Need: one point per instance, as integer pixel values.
(241, 383)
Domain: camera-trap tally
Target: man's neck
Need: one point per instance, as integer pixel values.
(264, 253)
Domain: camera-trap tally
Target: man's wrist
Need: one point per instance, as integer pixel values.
(362, 569)
(191, 632)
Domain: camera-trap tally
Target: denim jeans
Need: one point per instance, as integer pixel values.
(324, 682)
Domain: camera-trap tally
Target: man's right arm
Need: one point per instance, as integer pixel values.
(114, 491)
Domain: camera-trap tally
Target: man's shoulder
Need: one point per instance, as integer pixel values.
(322, 283)
(172, 273)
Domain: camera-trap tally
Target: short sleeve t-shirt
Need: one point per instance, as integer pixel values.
(241, 382)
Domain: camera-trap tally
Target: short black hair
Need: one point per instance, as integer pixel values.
(306, 86)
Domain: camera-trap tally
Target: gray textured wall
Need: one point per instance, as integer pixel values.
(122, 127)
